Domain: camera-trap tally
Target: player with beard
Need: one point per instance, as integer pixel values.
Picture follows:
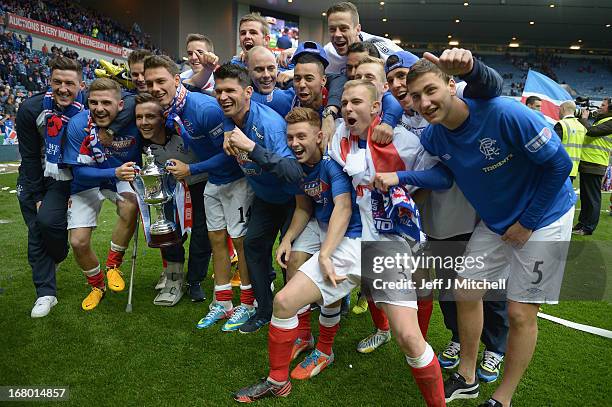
(481, 82)
(333, 271)
(101, 165)
(255, 135)
(43, 186)
(524, 232)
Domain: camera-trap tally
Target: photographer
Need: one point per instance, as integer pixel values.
(593, 164)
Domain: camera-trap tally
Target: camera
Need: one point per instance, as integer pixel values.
(584, 103)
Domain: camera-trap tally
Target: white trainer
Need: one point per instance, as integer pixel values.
(43, 305)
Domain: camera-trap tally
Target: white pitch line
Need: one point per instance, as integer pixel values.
(580, 327)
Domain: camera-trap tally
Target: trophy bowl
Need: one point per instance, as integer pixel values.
(152, 184)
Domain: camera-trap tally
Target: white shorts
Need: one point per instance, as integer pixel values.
(309, 241)
(85, 206)
(404, 296)
(532, 273)
(228, 207)
(347, 262)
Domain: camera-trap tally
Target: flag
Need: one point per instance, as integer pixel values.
(551, 93)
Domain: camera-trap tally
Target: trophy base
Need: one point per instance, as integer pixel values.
(164, 235)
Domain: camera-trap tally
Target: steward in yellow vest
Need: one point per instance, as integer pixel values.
(593, 164)
(572, 133)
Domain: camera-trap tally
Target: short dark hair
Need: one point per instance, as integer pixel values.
(531, 100)
(424, 66)
(63, 63)
(364, 46)
(138, 55)
(345, 7)
(307, 58)
(161, 61)
(200, 37)
(145, 97)
(233, 71)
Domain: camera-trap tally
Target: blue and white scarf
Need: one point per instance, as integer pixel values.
(55, 123)
(400, 214)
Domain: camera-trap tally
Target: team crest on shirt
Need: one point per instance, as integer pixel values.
(539, 141)
(488, 148)
(315, 190)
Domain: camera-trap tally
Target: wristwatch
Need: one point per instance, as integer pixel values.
(329, 111)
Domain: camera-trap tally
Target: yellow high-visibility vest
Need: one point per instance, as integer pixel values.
(573, 138)
(597, 149)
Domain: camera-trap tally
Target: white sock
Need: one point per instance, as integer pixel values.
(423, 360)
(116, 248)
(289, 323)
(329, 316)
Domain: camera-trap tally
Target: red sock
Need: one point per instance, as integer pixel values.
(429, 380)
(378, 316)
(280, 344)
(326, 338)
(164, 263)
(247, 296)
(304, 325)
(96, 280)
(230, 247)
(114, 258)
(223, 295)
(424, 314)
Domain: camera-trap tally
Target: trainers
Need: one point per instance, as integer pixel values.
(488, 370)
(114, 276)
(262, 389)
(195, 292)
(254, 324)
(449, 359)
(217, 313)
(361, 306)
(300, 345)
(93, 299)
(42, 306)
(455, 387)
(161, 283)
(240, 315)
(373, 341)
(492, 403)
(582, 232)
(312, 365)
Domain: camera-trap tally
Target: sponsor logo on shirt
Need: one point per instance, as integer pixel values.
(488, 149)
(446, 157)
(259, 136)
(539, 141)
(498, 164)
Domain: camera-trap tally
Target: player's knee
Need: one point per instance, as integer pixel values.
(521, 316)
(284, 305)
(409, 341)
(217, 238)
(79, 243)
(128, 210)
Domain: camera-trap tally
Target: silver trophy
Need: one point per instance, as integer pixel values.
(153, 185)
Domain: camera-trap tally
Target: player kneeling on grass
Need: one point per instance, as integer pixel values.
(102, 165)
(515, 173)
(328, 276)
